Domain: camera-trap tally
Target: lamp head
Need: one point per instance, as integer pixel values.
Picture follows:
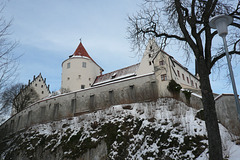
(221, 22)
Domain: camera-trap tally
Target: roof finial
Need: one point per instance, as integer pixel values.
(80, 40)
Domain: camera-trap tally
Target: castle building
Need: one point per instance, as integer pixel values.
(80, 71)
(35, 90)
(91, 90)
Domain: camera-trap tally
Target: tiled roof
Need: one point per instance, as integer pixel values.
(117, 75)
(81, 51)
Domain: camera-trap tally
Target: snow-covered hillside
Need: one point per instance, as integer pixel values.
(166, 129)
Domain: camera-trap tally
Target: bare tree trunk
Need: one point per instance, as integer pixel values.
(214, 138)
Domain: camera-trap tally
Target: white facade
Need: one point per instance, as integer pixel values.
(40, 86)
(166, 68)
(146, 66)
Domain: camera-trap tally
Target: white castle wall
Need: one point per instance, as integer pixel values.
(137, 89)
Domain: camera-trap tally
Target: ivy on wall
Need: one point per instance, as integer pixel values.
(174, 87)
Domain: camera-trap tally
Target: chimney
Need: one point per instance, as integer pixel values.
(44, 80)
(29, 81)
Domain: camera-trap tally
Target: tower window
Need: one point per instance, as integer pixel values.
(79, 76)
(68, 78)
(36, 85)
(68, 65)
(82, 86)
(41, 86)
(84, 64)
(42, 92)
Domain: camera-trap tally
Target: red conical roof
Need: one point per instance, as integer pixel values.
(81, 51)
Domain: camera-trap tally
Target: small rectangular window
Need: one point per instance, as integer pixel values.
(68, 65)
(183, 77)
(161, 62)
(178, 73)
(196, 85)
(84, 64)
(192, 83)
(163, 77)
(187, 80)
(82, 86)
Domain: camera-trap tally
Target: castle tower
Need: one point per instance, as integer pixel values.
(79, 70)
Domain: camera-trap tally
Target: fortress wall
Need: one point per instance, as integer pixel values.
(227, 113)
(137, 89)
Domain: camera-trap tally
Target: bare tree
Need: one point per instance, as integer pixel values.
(8, 63)
(187, 22)
(19, 97)
(9, 94)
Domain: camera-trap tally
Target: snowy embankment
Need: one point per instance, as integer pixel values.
(166, 129)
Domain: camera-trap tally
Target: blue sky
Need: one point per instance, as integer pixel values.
(48, 32)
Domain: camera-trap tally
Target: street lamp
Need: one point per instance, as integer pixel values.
(221, 23)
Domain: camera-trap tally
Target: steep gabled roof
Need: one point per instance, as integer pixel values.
(117, 75)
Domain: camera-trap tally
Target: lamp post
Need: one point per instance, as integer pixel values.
(221, 23)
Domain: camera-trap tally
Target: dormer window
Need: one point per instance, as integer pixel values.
(114, 75)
